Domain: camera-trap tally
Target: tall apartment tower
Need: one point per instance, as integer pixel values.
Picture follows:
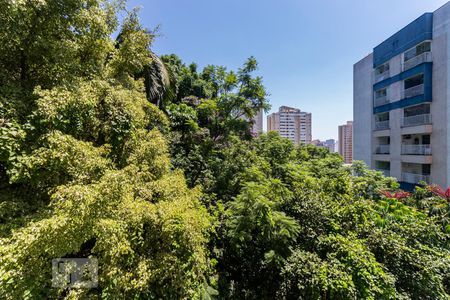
(401, 103)
(346, 142)
(257, 127)
(291, 123)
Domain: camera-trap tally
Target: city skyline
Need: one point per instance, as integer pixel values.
(304, 51)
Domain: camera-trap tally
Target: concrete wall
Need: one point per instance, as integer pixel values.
(440, 138)
(362, 110)
(257, 127)
(395, 117)
(306, 123)
(273, 122)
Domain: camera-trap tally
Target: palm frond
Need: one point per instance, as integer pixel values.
(159, 84)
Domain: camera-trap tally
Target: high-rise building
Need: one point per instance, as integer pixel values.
(346, 142)
(328, 144)
(401, 102)
(257, 127)
(291, 123)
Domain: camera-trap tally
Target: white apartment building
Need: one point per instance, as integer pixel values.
(291, 123)
(345, 134)
(401, 103)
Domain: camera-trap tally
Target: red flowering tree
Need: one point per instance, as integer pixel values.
(397, 195)
(438, 191)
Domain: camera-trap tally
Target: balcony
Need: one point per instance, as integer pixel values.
(416, 149)
(415, 178)
(383, 149)
(381, 101)
(381, 76)
(414, 91)
(415, 61)
(381, 125)
(416, 120)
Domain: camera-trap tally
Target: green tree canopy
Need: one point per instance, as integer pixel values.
(84, 170)
(148, 164)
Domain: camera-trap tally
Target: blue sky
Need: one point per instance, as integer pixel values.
(305, 48)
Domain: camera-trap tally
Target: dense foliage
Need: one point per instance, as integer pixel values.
(149, 165)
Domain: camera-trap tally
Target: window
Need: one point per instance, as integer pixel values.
(381, 69)
(382, 117)
(383, 165)
(421, 109)
(380, 93)
(414, 81)
(417, 50)
(426, 169)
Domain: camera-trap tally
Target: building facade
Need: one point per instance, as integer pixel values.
(345, 133)
(291, 123)
(401, 102)
(328, 144)
(257, 127)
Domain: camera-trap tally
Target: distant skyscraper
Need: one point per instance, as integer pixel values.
(346, 142)
(257, 128)
(328, 144)
(331, 145)
(291, 123)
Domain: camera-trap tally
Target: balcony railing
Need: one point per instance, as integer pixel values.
(414, 91)
(381, 76)
(415, 178)
(416, 149)
(382, 149)
(416, 120)
(381, 125)
(381, 101)
(421, 58)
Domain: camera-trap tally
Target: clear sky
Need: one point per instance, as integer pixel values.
(305, 48)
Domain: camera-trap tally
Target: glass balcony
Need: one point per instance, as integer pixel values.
(414, 91)
(381, 76)
(416, 120)
(416, 149)
(382, 149)
(381, 125)
(381, 101)
(415, 178)
(415, 61)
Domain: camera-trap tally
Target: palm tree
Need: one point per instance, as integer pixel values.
(159, 83)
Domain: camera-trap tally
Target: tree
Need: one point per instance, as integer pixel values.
(88, 149)
(349, 242)
(209, 109)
